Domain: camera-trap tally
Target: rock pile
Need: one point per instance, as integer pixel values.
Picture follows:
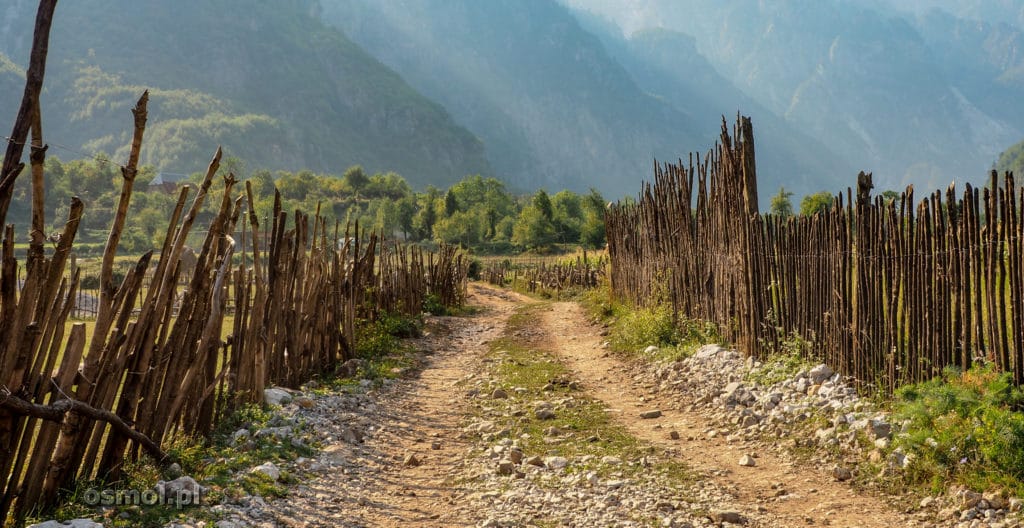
(723, 385)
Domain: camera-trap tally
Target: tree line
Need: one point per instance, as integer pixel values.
(478, 213)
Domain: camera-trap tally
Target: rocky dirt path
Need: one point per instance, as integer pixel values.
(393, 455)
(441, 448)
(809, 496)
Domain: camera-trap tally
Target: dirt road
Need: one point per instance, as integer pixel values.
(417, 466)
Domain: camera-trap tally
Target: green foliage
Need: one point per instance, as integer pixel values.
(355, 179)
(782, 205)
(432, 304)
(592, 224)
(964, 426)
(542, 202)
(380, 338)
(632, 329)
(533, 229)
(484, 214)
(781, 365)
(816, 203)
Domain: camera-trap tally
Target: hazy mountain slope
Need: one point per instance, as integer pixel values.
(856, 75)
(667, 64)
(552, 106)
(265, 78)
(994, 12)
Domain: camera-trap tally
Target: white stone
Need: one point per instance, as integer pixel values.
(820, 373)
(268, 469)
(709, 351)
(747, 461)
(651, 349)
(75, 523)
(556, 462)
(276, 396)
(185, 489)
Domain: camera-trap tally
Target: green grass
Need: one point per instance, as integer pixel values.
(588, 429)
(632, 329)
(778, 367)
(964, 427)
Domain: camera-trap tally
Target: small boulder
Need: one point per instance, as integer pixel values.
(653, 413)
(351, 435)
(709, 351)
(269, 469)
(240, 436)
(651, 350)
(544, 414)
(556, 462)
(820, 373)
(74, 523)
(841, 474)
(350, 368)
(182, 490)
(747, 461)
(411, 461)
(276, 396)
(728, 517)
(878, 429)
(506, 467)
(499, 394)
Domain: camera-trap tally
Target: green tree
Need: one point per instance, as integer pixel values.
(406, 213)
(890, 196)
(533, 229)
(451, 204)
(262, 183)
(592, 226)
(462, 227)
(816, 203)
(542, 202)
(568, 215)
(427, 215)
(355, 179)
(782, 205)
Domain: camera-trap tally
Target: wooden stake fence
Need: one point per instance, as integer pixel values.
(172, 360)
(888, 292)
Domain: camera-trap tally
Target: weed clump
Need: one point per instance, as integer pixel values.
(965, 426)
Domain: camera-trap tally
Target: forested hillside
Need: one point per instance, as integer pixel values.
(265, 79)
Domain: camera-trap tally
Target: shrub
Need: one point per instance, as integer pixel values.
(966, 426)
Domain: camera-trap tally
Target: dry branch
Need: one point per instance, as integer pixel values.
(55, 412)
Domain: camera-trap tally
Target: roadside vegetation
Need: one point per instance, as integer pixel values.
(965, 427)
(633, 329)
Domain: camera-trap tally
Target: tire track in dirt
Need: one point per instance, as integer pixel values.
(811, 496)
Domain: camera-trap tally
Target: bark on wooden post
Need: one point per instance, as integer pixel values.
(33, 86)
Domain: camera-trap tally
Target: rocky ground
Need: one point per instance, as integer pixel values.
(529, 420)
